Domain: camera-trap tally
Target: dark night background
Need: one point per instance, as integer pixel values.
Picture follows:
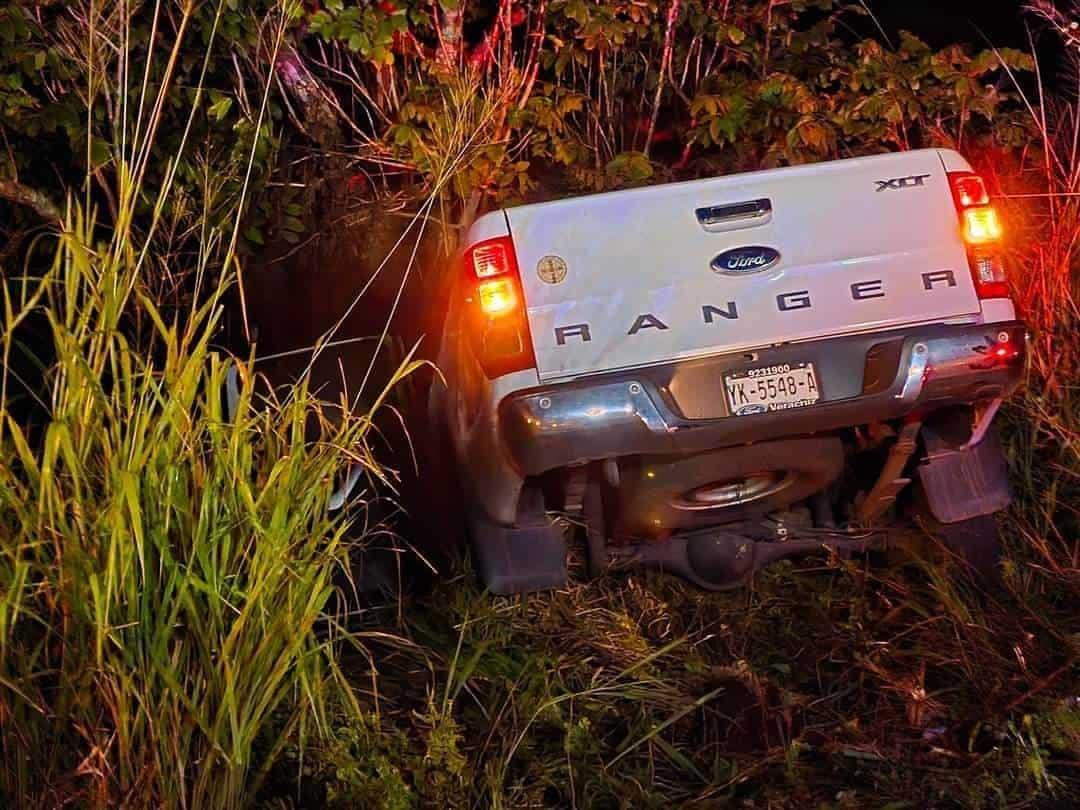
(941, 22)
(979, 23)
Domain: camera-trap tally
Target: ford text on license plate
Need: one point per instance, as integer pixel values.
(772, 388)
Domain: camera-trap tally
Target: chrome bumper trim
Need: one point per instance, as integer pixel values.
(592, 408)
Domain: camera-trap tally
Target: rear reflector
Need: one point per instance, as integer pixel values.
(990, 280)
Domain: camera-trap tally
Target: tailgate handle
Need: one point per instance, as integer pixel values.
(734, 214)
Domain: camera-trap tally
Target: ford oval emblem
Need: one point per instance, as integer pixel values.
(745, 260)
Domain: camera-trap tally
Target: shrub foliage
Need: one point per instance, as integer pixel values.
(597, 94)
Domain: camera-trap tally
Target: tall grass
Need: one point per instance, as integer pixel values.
(166, 560)
(1041, 195)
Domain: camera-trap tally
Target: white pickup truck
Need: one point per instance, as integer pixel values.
(680, 362)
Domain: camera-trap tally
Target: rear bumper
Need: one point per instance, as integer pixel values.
(681, 407)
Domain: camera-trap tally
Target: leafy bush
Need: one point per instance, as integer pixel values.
(586, 95)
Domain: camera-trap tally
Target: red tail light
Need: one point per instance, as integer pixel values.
(492, 257)
(982, 232)
(499, 328)
(969, 190)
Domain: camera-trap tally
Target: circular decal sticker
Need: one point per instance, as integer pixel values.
(551, 269)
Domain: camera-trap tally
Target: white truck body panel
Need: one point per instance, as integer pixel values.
(854, 256)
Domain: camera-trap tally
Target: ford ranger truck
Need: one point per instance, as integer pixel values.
(675, 364)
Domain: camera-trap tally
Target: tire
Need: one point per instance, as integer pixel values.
(432, 492)
(663, 494)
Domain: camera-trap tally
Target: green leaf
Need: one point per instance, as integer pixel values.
(220, 108)
(716, 130)
(359, 42)
(404, 134)
(1017, 60)
(100, 152)
(320, 23)
(629, 166)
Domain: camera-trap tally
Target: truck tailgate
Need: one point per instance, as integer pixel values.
(686, 270)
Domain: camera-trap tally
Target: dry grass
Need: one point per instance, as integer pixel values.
(865, 683)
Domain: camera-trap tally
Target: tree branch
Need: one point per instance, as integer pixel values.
(665, 62)
(319, 115)
(449, 30)
(39, 201)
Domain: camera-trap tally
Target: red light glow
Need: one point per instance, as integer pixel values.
(490, 259)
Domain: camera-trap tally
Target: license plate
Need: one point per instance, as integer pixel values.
(772, 388)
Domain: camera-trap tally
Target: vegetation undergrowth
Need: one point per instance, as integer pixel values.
(168, 556)
(827, 684)
(176, 610)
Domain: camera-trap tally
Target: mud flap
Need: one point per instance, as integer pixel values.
(963, 483)
(519, 559)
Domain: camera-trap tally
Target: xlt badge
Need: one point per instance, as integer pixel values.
(901, 182)
(745, 260)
